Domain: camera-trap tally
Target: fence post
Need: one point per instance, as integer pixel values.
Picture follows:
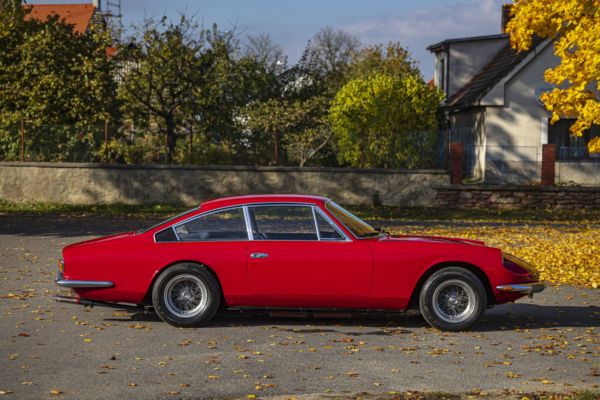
(22, 141)
(191, 144)
(456, 164)
(362, 152)
(106, 142)
(166, 149)
(276, 145)
(447, 148)
(548, 164)
(158, 149)
(502, 168)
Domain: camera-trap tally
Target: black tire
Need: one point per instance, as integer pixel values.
(198, 300)
(453, 299)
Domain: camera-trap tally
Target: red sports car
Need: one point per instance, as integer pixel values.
(287, 252)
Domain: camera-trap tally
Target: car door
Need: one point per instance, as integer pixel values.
(288, 255)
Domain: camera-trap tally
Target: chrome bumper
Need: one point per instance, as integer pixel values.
(60, 281)
(527, 288)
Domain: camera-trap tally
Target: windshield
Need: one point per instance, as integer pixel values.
(168, 220)
(358, 227)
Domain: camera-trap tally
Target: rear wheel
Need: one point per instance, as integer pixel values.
(453, 299)
(186, 295)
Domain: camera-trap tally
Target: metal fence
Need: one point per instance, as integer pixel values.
(124, 145)
(510, 165)
(577, 167)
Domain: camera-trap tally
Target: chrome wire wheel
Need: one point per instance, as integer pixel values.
(454, 301)
(185, 296)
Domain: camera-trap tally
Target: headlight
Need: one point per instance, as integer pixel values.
(518, 266)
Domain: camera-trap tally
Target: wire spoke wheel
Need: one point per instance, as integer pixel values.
(454, 301)
(185, 296)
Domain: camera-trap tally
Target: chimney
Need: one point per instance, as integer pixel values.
(506, 17)
(98, 5)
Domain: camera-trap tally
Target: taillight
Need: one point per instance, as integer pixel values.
(518, 266)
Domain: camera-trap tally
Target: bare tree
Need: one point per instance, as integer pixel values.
(262, 48)
(334, 48)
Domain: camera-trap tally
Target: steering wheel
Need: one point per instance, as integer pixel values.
(263, 236)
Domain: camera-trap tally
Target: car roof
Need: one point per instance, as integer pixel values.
(262, 198)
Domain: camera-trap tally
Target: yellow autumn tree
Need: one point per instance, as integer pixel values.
(575, 26)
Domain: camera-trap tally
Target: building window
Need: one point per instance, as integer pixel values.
(560, 135)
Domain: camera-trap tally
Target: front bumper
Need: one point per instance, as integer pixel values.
(70, 283)
(526, 288)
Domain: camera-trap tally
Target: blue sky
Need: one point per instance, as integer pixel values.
(414, 23)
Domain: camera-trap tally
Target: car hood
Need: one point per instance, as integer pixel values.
(436, 239)
(100, 240)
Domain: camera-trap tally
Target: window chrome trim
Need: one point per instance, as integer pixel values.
(314, 213)
(174, 227)
(248, 223)
(335, 226)
(245, 207)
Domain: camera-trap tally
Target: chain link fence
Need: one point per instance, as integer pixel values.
(577, 167)
(126, 145)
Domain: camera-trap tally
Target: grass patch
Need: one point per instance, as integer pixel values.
(362, 211)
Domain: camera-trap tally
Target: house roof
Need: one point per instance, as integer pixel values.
(438, 46)
(79, 15)
(500, 66)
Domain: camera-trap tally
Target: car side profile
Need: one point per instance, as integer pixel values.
(290, 252)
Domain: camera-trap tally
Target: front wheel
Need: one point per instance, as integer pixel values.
(186, 295)
(453, 299)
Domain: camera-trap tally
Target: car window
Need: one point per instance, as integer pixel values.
(223, 225)
(283, 223)
(326, 230)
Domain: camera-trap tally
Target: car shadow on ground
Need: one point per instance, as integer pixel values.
(501, 318)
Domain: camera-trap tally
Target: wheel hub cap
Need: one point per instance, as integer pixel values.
(185, 296)
(454, 301)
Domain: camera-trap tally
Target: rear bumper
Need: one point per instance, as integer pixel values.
(526, 288)
(70, 283)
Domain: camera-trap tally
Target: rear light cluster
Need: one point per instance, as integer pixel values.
(518, 266)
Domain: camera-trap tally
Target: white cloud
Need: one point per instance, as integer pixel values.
(423, 27)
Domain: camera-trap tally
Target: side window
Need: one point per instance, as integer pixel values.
(223, 225)
(326, 230)
(283, 223)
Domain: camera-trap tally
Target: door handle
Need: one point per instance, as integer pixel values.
(259, 255)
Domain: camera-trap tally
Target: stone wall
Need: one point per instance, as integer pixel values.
(489, 196)
(189, 185)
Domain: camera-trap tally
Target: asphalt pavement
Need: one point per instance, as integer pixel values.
(52, 350)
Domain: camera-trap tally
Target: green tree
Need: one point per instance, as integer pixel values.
(397, 115)
(298, 108)
(50, 74)
(391, 59)
(177, 75)
(12, 13)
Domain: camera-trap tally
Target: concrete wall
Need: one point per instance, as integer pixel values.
(189, 185)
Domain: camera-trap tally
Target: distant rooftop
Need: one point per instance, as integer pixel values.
(79, 15)
(437, 46)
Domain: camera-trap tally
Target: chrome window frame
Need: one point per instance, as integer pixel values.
(315, 208)
(245, 207)
(345, 237)
(185, 221)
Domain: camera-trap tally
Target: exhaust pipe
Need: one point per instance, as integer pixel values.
(92, 303)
